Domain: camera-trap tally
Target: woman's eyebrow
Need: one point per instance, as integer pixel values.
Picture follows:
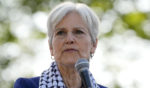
(61, 28)
(80, 27)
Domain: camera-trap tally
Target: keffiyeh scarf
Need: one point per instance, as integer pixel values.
(51, 78)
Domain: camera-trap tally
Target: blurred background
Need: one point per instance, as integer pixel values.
(121, 59)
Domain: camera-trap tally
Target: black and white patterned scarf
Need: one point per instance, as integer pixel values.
(51, 78)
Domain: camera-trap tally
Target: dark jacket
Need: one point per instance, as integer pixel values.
(31, 83)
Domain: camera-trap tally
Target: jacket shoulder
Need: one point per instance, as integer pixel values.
(27, 82)
(100, 86)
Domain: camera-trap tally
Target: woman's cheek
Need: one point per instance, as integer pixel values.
(57, 52)
(84, 54)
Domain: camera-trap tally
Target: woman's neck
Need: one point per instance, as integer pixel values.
(70, 76)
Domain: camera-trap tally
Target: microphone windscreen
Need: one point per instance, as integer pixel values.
(82, 64)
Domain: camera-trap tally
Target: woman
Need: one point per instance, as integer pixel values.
(72, 31)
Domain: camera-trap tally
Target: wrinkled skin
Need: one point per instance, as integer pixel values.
(71, 40)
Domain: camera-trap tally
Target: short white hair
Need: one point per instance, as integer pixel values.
(87, 14)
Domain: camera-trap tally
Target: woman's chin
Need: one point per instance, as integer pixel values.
(68, 63)
(68, 60)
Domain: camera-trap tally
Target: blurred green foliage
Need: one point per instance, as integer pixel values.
(129, 21)
(6, 35)
(38, 5)
(134, 21)
(103, 4)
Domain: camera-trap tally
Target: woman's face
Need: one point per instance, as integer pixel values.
(71, 40)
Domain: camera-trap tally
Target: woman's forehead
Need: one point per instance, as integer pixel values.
(72, 19)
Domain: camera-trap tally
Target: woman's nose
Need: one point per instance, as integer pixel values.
(69, 38)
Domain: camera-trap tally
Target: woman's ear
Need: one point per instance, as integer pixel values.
(50, 48)
(94, 46)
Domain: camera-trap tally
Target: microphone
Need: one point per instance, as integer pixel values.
(82, 66)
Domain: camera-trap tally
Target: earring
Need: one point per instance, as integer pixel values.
(91, 55)
(52, 57)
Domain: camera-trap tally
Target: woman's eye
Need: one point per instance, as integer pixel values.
(79, 32)
(60, 33)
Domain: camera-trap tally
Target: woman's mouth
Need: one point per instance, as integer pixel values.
(70, 50)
